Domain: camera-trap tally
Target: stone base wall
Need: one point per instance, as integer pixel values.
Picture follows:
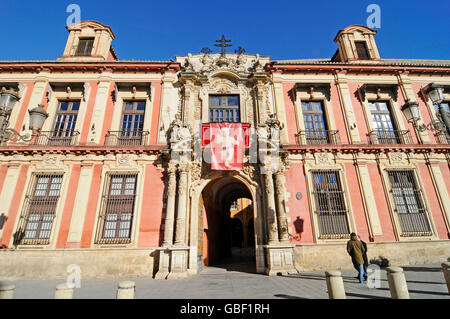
(94, 263)
(334, 256)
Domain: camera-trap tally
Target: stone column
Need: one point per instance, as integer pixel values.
(272, 227)
(280, 181)
(335, 285)
(397, 283)
(180, 234)
(170, 208)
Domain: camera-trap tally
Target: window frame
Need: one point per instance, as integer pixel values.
(32, 202)
(106, 200)
(236, 110)
(87, 42)
(365, 47)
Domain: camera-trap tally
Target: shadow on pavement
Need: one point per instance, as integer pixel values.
(422, 292)
(350, 294)
(422, 269)
(288, 297)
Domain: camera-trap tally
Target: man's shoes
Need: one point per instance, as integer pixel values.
(365, 278)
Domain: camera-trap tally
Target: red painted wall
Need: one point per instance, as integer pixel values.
(359, 112)
(430, 194)
(91, 209)
(362, 227)
(338, 114)
(108, 114)
(68, 207)
(14, 208)
(89, 112)
(384, 215)
(25, 105)
(299, 211)
(152, 208)
(290, 113)
(156, 112)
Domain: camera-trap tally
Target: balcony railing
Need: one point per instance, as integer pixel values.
(442, 138)
(318, 137)
(127, 138)
(390, 137)
(57, 138)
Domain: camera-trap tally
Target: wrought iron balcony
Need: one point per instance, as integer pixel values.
(127, 138)
(442, 138)
(318, 137)
(390, 137)
(57, 138)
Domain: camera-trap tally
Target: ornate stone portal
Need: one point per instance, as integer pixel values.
(187, 171)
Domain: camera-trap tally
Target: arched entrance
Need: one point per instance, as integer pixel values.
(226, 225)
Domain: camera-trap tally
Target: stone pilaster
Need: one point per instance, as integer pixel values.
(170, 208)
(272, 227)
(280, 181)
(180, 233)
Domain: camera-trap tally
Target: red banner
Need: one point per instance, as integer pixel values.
(228, 142)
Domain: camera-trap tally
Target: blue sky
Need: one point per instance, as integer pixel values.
(160, 30)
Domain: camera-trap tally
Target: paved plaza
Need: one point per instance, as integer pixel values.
(238, 282)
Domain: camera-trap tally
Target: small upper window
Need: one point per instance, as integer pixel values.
(362, 51)
(85, 47)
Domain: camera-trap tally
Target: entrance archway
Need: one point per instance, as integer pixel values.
(227, 236)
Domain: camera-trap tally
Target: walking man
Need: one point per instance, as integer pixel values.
(356, 250)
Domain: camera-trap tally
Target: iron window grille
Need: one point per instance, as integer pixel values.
(330, 205)
(84, 47)
(36, 221)
(224, 109)
(409, 204)
(117, 210)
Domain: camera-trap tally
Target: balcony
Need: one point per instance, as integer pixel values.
(127, 138)
(318, 137)
(442, 138)
(389, 137)
(57, 138)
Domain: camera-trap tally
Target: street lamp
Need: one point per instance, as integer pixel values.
(8, 99)
(412, 114)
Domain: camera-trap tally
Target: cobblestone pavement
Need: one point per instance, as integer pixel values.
(424, 282)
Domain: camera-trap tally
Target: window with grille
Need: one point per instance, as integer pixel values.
(132, 123)
(408, 204)
(85, 47)
(224, 109)
(65, 122)
(330, 205)
(384, 127)
(40, 207)
(118, 210)
(315, 125)
(362, 51)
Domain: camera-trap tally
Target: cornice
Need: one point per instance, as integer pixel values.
(89, 67)
(370, 149)
(383, 69)
(81, 150)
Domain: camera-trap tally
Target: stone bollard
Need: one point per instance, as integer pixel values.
(446, 270)
(397, 283)
(126, 290)
(335, 285)
(63, 292)
(6, 290)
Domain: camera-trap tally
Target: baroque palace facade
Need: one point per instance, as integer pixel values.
(99, 184)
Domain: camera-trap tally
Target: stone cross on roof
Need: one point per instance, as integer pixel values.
(223, 43)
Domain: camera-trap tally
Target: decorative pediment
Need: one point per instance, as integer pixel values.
(378, 89)
(311, 88)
